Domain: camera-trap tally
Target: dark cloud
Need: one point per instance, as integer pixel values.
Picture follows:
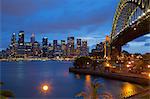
(92, 21)
(54, 15)
(27, 7)
(147, 44)
(126, 45)
(142, 39)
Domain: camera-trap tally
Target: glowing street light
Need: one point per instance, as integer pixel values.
(129, 62)
(148, 66)
(88, 63)
(132, 61)
(134, 29)
(143, 14)
(107, 64)
(45, 87)
(128, 65)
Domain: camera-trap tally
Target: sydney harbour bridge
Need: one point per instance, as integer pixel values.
(131, 20)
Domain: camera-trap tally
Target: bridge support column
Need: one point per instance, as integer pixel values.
(115, 51)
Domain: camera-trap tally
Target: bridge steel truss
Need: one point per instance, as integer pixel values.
(130, 18)
(128, 11)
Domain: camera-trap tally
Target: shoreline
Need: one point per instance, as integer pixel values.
(114, 76)
(34, 59)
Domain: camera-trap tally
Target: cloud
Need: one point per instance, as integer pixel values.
(147, 44)
(139, 45)
(126, 45)
(27, 7)
(142, 38)
(54, 16)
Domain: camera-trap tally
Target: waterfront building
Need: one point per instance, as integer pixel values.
(78, 48)
(63, 47)
(28, 49)
(32, 39)
(58, 52)
(20, 46)
(98, 52)
(55, 43)
(44, 47)
(21, 38)
(36, 49)
(85, 49)
(70, 46)
(13, 45)
(50, 50)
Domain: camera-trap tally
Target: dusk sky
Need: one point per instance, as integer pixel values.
(90, 20)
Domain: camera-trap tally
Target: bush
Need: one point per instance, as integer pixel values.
(81, 62)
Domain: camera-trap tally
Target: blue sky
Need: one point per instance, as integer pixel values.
(57, 19)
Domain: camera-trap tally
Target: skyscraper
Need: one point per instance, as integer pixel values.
(98, 52)
(32, 39)
(13, 45)
(78, 49)
(28, 49)
(21, 38)
(45, 46)
(45, 41)
(63, 47)
(36, 49)
(55, 45)
(13, 39)
(85, 50)
(21, 47)
(70, 46)
(50, 50)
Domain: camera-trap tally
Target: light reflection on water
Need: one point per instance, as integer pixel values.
(128, 89)
(27, 79)
(20, 71)
(87, 82)
(45, 88)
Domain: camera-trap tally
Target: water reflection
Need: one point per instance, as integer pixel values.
(20, 71)
(66, 74)
(51, 79)
(87, 82)
(45, 88)
(77, 76)
(128, 90)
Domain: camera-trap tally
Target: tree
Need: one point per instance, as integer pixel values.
(4, 94)
(82, 62)
(94, 64)
(92, 92)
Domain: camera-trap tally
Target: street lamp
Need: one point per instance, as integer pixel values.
(128, 65)
(129, 62)
(148, 66)
(88, 63)
(107, 64)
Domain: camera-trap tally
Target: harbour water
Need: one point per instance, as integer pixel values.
(27, 78)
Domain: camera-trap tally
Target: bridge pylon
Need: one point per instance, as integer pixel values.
(115, 51)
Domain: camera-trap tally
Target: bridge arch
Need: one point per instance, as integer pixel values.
(125, 11)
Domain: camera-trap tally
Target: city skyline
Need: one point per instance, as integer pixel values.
(61, 19)
(62, 49)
